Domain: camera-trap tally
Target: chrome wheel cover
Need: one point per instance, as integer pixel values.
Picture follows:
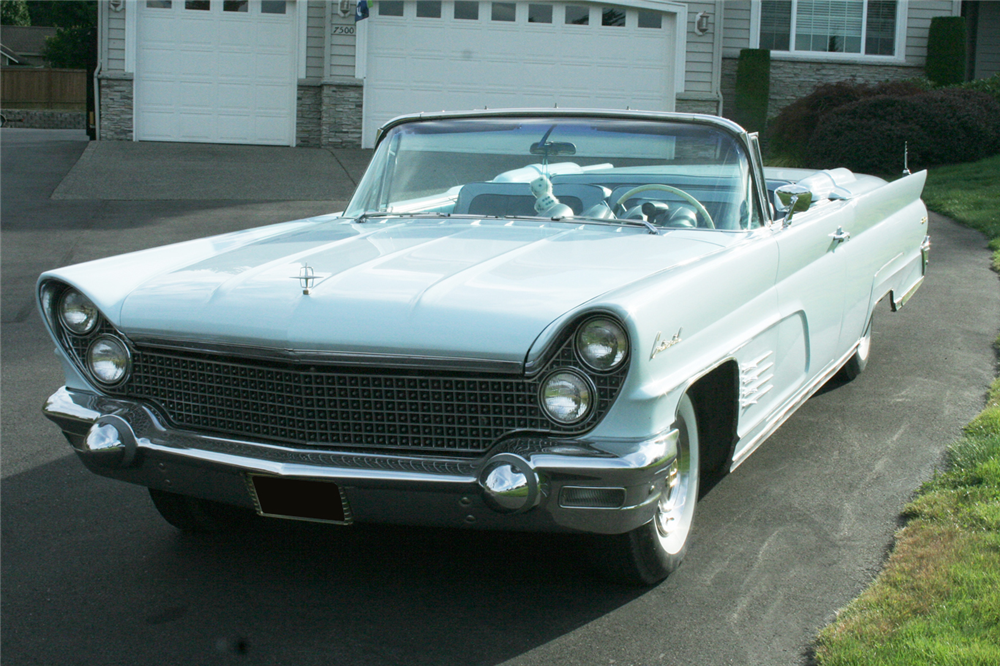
(865, 344)
(675, 510)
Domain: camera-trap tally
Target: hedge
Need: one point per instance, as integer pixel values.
(790, 131)
(946, 50)
(753, 87)
(942, 127)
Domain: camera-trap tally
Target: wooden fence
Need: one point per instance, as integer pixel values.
(31, 88)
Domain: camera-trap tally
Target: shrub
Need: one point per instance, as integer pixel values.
(990, 86)
(753, 87)
(942, 127)
(946, 50)
(790, 131)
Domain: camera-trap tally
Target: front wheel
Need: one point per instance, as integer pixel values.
(650, 553)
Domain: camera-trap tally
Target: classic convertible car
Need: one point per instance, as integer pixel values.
(525, 320)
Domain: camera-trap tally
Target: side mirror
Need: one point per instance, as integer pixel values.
(793, 198)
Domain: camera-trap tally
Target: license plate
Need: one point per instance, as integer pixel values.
(299, 499)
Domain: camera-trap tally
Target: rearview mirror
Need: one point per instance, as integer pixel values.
(551, 148)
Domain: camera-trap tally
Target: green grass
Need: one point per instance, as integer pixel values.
(937, 601)
(970, 194)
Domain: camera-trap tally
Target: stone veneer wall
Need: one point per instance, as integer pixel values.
(342, 114)
(116, 109)
(309, 112)
(792, 80)
(44, 119)
(692, 105)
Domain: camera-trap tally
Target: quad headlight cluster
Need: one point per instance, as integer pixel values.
(568, 394)
(103, 354)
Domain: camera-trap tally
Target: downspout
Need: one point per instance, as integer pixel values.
(101, 36)
(720, 21)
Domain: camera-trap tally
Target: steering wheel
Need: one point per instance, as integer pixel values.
(668, 188)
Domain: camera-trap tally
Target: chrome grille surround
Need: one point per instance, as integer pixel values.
(347, 406)
(330, 404)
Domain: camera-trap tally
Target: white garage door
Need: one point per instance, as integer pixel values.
(218, 71)
(428, 55)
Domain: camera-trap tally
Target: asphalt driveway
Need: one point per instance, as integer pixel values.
(91, 574)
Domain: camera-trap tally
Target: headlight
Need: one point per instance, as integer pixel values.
(77, 313)
(602, 344)
(108, 360)
(566, 397)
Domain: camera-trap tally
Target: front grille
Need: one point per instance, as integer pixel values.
(348, 406)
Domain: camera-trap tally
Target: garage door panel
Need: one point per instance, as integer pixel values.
(206, 75)
(268, 100)
(196, 126)
(234, 97)
(235, 129)
(424, 64)
(195, 97)
(198, 34)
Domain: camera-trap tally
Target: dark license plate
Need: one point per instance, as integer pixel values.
(299, 499)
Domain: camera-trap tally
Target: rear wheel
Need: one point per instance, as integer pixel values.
(859, 361)
(649, 554)
(192, 514)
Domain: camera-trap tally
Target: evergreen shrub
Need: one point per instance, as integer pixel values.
(946, 44)
(753, 87)
(788, 134)
(944, 126)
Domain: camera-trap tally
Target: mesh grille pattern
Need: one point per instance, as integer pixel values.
(348, 406)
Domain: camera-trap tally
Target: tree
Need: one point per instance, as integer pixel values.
(14, 12)
(73, 45)
(63, 14)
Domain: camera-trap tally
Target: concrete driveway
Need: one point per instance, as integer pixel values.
(91, 574)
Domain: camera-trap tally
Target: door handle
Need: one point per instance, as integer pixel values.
(840, 236)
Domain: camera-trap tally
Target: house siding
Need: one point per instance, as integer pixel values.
(698, 64)
(794, 78)
(342, 46)
(114, 62)
(987, 52)
(736, 28)
(315, 36)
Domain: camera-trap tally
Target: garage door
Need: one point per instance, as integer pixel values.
(428, 55)
(219, 71)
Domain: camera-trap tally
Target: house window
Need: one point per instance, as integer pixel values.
(577, 15)
(390, 8)
(428, 8)
(539, 13)
(829, 26)
(272, 6)
(466, 10)
(504, 11)
(613, 16)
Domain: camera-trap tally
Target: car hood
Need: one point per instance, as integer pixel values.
(436, 288)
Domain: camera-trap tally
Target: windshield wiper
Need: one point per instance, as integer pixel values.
(369, 214)
(653, 229)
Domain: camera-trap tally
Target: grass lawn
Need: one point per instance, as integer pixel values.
(970, 194)
(938, 599)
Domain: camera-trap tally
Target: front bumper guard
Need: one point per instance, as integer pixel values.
(524, 484)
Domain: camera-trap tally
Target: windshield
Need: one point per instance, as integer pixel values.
(658, 174)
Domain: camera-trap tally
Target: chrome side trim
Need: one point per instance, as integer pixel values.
(897, 304)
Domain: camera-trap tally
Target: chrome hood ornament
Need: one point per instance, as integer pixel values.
(306, 278)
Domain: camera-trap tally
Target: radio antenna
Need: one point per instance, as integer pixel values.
(906, 158)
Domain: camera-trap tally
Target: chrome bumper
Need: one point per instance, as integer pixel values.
(525, 484)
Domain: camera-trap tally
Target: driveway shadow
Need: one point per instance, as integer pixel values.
(107, 581)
